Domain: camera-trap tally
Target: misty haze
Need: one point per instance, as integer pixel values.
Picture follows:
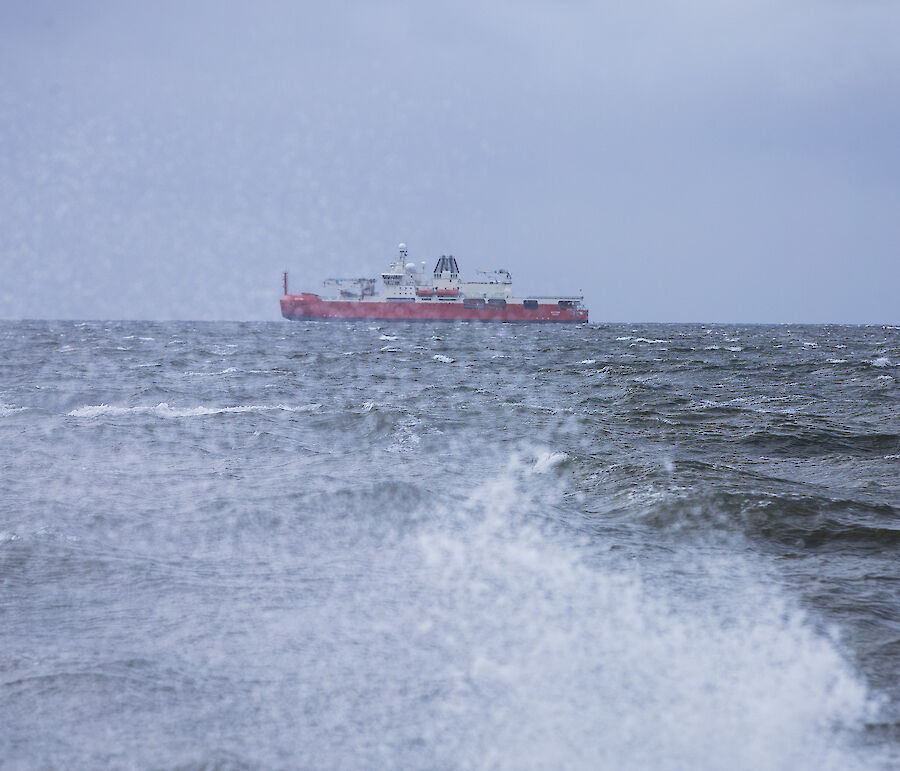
(365, 516)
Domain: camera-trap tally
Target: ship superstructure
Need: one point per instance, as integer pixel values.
(408, 292)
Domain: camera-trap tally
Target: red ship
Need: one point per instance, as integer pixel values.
(410, 294)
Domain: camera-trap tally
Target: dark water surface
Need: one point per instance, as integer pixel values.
(348, 545)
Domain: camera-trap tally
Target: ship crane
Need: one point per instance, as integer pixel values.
(352, 287)
(498, 276)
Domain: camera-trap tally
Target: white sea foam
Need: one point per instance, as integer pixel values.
(648, 340)
(837, 361)
(368, 406)
(881, 361)
(163, 410)
(444, 359)
(390, 349)
(9, 409)
(388, 337)
(546, 460)
(548, 659)
(227, 371)
(733, 348)
(588, 361)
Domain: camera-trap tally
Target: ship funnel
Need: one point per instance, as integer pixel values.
(446, 265)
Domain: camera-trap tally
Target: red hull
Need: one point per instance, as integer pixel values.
(311, 306)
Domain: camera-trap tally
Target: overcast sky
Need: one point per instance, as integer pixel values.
(693, 161)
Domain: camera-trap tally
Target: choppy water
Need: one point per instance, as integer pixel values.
(481, 547)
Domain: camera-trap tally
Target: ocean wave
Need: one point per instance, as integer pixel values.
(9, 409)
(532, 632)
(445, 359)
(163, 410)
(547, 460)
(880, 361)
(806, 442)
(227, 371)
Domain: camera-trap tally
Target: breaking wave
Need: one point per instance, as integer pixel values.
(163, 410)
(517, 647)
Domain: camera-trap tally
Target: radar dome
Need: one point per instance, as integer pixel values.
(410, 266)
(402, 246)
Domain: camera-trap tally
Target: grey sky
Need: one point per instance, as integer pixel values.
(684, 161)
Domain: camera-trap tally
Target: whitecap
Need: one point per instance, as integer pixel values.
(588, 361)
(368, 406)
(445, 359)
(881, 361)
(388, 337)
(9, 409)
(623, 339)
(648, 340)
(163, 410)
(228, 371)
(546, 461)
(390, 349)
(837, 361)
(733, 348)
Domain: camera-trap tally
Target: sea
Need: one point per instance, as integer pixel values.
(364, 545)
